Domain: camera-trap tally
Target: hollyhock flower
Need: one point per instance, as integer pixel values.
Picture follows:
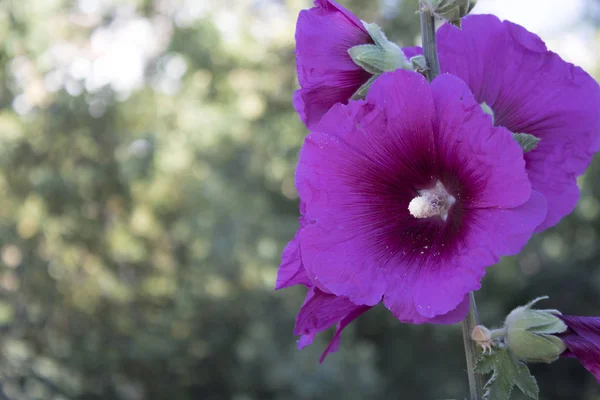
(326, 72)
(530, 90)
(405, 200)
(583, 341)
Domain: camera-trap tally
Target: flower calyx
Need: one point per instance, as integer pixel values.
(531, 333)
(381, 56)
(449, 10)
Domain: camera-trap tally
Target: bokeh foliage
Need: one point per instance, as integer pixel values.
(147, 151)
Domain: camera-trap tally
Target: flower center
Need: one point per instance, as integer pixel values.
(432, 203)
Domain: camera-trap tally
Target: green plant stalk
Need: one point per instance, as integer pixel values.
(429, 45)
(470, 322)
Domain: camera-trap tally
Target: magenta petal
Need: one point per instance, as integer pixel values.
(291, 271)
(319, 94)
(331, 6)
(506, 231)
(323, 36)
(454, 316)
(469, 145)
(306, 340)
(335, 340)
(531, 90)
(412, 51)
(326, 73)
(298, 104)
(583, 341)
(322, 310)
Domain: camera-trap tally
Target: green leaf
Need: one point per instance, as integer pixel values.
(507, 373)
(526, 141)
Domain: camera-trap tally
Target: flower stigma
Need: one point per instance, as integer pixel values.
(432, 203)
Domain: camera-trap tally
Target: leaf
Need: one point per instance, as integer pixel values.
(507, 373)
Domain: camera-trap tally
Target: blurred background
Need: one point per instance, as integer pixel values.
(147, 150)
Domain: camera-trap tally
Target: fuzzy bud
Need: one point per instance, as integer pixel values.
(530, 333)
(450, 10)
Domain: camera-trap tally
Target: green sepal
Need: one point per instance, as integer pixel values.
(488, 110)
(377, 35)
(382, 56)
(369, 57)
(538, 321)
(562, 347)
(530, 333)
(526, 141)
(534, 319)
(362, 91)
(419, 63)
(550, 329)
(507, 372)
(529, 346)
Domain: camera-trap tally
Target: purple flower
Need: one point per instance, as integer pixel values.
(326, 72)
(530, 90)
(583, 341)
(405, 199)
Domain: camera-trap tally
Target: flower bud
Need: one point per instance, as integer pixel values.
(450, 10)
(529, 333)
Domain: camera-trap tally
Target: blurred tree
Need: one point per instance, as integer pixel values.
(147, 158)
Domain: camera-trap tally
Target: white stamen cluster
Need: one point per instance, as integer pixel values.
(432, 203)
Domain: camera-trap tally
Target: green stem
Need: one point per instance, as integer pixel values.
(429, 46)
(470, 322)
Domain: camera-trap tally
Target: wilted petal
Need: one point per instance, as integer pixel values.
(322, 310)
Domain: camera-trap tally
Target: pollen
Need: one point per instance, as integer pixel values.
(434, 202)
